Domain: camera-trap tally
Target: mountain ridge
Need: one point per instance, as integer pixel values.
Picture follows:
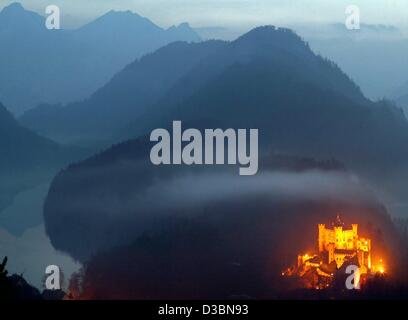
(269, 79)
(72, 63)
(136, 86)
(264, 42)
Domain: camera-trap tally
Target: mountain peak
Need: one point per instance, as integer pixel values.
(15, 17)
(120, 20)
(270, 33)
(185, 28)
(271, 37)
(116, 13)
(13, 7)
(121, 16)
(182, 26)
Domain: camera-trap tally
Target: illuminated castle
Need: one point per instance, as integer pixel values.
(338, 244)
(338, 247)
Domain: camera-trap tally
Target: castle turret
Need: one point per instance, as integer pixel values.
(369, 254)
(322, 236)
(355, 234)
(338, 232)
(355, 229)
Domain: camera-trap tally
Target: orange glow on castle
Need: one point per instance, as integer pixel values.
(338, 246)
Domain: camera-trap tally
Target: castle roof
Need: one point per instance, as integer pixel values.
(338, 222)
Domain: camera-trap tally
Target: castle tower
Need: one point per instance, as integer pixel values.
(355, 229)
(331, 256)
(338, 221)
(369, 254)
(322, 236)
(338, 231)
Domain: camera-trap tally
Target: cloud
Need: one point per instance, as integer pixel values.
(197, 190)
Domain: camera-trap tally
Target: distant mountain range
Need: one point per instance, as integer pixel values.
(38, 65)
(176, 72)
(268, 79)
(374, 56)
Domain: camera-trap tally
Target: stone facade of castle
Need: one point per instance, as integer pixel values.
(339, 244)
(338, 247)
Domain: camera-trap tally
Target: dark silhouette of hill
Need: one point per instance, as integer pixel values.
(302, 104)
(15, 287)
(104, 201)
(268, 79)
(235, 250)
(131, 223)
(187, 69)
(69, 65)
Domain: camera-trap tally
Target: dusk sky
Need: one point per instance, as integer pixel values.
(234, 14)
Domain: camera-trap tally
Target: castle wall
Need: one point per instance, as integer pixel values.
(337, 238)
